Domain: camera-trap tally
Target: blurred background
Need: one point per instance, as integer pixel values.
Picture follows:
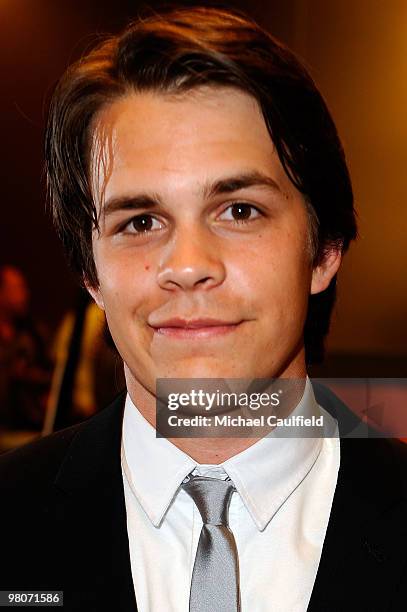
(355, 50)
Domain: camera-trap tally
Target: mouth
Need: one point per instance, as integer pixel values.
(195, 329)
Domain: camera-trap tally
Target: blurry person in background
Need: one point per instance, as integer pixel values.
(25, 367)
(88, 371)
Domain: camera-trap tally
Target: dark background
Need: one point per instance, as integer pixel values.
(357, 53)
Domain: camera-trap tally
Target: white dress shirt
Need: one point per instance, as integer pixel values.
(279, 514)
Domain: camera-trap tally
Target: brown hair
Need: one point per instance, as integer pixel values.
(178, 50)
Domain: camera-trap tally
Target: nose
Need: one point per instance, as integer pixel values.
(191, 260)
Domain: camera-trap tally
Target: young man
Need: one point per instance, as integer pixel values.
(200, 189)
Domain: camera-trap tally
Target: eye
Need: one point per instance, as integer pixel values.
(142, 224)
(241, 212)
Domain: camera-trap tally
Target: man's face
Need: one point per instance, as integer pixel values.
(198, 221)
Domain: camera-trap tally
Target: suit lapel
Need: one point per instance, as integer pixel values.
(362, 556)
(90, 509)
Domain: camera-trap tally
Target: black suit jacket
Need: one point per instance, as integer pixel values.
(63, 523)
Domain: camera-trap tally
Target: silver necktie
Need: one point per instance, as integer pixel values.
(215, 577)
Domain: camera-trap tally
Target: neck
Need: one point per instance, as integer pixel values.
(202, 450)
(212, 451)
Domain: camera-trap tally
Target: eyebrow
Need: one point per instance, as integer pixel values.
(226, 185)
(238, 182)
(136, 202)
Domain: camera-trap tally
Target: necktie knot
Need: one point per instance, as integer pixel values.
(212, 497)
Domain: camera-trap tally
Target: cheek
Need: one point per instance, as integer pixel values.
(278, 261)
(275, 277)
(130, 294)
(122, 282)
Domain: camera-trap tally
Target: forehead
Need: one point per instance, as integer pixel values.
(180, 139)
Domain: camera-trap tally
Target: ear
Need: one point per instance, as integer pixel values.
(96, 295)
(324, 272)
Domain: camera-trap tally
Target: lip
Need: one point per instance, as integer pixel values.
(195, 328)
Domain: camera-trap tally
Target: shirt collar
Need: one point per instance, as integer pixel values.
(265, 474)
(269, 471)
(154, 467)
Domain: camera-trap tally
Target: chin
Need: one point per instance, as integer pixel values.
(203, 369)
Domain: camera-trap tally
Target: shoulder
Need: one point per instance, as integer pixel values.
(36, 465)
(391, 454)
(375, 471)
(37, 461)
(397, 450)
(376, 453)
